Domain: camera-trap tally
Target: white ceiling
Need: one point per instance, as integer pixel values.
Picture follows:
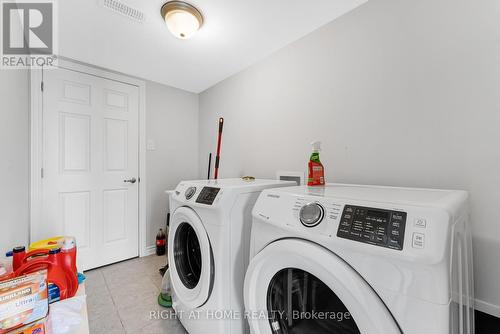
(236, 34)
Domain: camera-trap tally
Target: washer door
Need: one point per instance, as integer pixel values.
(190, 258)
(298, 287)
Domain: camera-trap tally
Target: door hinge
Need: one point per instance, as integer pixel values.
(41, 173)
(41, 86)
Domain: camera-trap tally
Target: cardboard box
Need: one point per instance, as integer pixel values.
(37, 327)
(23, 300)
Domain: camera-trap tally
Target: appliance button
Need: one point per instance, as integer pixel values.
(420, 222)
(311, 214)
(418, 240)
(355, 234)
(397, 216)
(345, 223)
(394, 243)
(189, 193)
(394, 240)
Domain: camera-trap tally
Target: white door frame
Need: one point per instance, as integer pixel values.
(36, 147)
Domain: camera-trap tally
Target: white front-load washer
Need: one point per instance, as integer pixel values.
(360, 259)
(208, 251)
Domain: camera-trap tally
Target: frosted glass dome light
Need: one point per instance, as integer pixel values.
(182, 19)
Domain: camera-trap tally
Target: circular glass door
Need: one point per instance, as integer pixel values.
(300, 303)
(190, 258)
(295, 286)
(187, 255)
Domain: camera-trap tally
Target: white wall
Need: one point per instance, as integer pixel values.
(14, 158)
(402, 93)
(172, 123)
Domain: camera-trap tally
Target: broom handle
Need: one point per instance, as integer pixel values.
(209, 165)
(219, 139)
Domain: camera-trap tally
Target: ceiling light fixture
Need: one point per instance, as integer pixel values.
(183, 20)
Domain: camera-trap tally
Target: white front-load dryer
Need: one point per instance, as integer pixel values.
(350, 259)
(208, 251)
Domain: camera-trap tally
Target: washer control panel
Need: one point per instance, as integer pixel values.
(374, 226)
(207, 195)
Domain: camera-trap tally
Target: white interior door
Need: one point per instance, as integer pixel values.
(90, 150)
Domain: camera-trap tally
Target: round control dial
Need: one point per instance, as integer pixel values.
(190, 192)
(311, 214)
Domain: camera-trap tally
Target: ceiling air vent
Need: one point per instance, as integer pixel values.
(123, 9)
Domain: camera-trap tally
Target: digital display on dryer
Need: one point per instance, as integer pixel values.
(379, 227)
(378, 214)
(207, 195)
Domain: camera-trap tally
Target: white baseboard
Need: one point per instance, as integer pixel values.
(488, 308)
(150, 250)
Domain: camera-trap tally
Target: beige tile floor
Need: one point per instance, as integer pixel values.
(121, 297)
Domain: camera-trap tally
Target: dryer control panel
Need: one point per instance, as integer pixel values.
(379, 227)
(207, 195)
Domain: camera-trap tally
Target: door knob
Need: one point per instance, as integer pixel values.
(132, 180)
